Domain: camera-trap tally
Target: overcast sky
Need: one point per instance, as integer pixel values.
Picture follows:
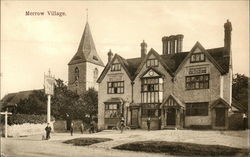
(30, 45)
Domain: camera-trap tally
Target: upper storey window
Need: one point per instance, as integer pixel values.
(116, 67)
(197, 82)
(197, 57)
(116, 87)
(76, 73)
(152, 63)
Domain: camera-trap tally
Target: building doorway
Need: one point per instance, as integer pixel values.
(171, 116)
(220, 119)
(134, 117)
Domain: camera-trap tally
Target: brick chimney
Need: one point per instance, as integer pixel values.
(110, 55)
(172, 44)
(227, 38)
(143, 49)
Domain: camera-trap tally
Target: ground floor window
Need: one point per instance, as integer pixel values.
(150, 110)
(197, 109)
(112, 111)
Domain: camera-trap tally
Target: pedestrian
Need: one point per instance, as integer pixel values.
(94, 127)
(71, 128)
(48, 130)
(122, 123)
(148, 123)
(82, 128)
(91, 129)
(159, 123)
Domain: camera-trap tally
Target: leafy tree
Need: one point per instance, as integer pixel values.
(34, 104)
(240, 88)
(63, 100)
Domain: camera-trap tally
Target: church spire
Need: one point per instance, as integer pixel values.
(86, 50)
(87, 15)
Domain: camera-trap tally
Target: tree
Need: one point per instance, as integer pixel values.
(63, 100)
(240, 88)
(34, 104)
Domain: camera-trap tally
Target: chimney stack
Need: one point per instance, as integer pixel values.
(110, 55)
(143, 49)
(227, 38)
(172, 44)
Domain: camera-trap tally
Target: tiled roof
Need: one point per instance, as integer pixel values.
(171, 62)
(174, 60)
(239, 106)
(86, 51)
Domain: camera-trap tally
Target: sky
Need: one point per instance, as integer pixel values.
(31, 45)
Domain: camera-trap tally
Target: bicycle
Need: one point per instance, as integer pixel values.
(118, 127)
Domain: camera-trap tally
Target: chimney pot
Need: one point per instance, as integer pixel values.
(110, 55)
(143, 49)
(227, 38)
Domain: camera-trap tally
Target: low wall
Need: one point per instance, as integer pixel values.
(60, 125)
(236, 121)
(25, 129)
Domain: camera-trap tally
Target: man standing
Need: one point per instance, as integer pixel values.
(122, 124)
(48, 130)
(71, 129)
(148, 123)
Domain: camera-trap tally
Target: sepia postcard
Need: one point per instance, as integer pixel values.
(124, 78)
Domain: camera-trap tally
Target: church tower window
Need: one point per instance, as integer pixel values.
(95, 74)
(76, 74)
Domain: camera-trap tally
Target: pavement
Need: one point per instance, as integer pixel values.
(34, 146)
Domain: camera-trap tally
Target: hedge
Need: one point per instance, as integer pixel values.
(26, 118)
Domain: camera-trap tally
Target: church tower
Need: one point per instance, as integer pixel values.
(85, 66)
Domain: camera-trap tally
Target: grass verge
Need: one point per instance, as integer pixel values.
(186, 149)
(86, 141)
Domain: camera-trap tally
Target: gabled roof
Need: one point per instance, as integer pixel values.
(160, 59)
(220, 101)
(176, 102)
(153, 69)
(124, 63)
(86, 50)
(172, 62)
(208, 55)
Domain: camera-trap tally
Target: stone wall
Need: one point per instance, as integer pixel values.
(202, 95)
(90, 81)
(104, 96)
(60, 125)
(82, 78)
(25, 129)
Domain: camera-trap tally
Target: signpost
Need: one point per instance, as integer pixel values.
(49, 90)
(6, 113)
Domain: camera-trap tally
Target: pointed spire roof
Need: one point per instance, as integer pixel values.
(86, 50)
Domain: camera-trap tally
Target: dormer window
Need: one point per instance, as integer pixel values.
(116, 67)
(197, 57)
(152, 63)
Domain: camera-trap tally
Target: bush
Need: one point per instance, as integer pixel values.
(183, 149)
(86, 141)
(26, 118)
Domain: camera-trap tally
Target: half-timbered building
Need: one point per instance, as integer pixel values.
(175, 89)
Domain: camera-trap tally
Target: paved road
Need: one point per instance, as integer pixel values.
(33, 146)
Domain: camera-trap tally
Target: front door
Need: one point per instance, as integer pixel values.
(134, 117)
(220, 116)
(171, 116)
